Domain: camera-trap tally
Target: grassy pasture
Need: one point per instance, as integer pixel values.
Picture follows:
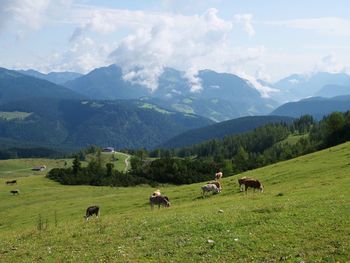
(118, 160)
(15, 168)
(14, 115)
(303, 215)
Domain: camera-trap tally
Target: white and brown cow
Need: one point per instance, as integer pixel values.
(218, 176)
(210, 188)
(159, 200)
(241, 182)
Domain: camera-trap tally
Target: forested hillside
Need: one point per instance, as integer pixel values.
(318, 107)
(74, 123)
(222, 129)
(233, 154)
(16, 86)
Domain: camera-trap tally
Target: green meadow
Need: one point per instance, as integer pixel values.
(303, 215)
(14, 115)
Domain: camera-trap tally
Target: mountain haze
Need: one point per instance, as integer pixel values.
(297, 86)
(316, 106)
(54, 77)
(333, 90)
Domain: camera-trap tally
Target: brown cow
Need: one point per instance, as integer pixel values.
(241, 182)
(159, 200)
(255, 184)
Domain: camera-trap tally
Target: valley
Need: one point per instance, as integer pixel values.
(301, 195)
(174, 131)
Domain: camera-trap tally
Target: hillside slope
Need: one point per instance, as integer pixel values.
(74, 123)
(16, 86)
(316, 106)
(305, 207)
(55, 77)
(222, 129)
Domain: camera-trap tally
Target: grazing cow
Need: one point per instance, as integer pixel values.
(14, 192)
(11, 182)
(217, 183)
(159, 200)
(218, 176)
(210, 188)
(156, 193)
(241, 182)
(255, 184)
(91, 210)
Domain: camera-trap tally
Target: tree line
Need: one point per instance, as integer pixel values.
(231, 155)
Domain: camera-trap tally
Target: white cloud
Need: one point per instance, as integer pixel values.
(330, 26)
(329, 63)
(84, 55)
(246, 20)
(30, 13)
(152, 40)
(187, 43)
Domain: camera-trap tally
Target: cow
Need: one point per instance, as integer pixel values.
(255, 184)
(210, 188)
(159, 200)
(91, 210)
(14, 192)
(217, 183)
(241, 182)
(11, 182)
(156, 193)
(218, 176)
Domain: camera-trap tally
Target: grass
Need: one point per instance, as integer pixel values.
(23, 167)
(14, 115)
(183, 108)
(293, 139)
(154, 107)
(303, 215)
(117, 158)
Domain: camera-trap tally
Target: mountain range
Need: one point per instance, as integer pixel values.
(17, 86)
(223, 96)
(102, 108)
(318, 107)
(297, 86)
(54, 77)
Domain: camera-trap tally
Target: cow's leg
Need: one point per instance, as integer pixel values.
(246, 188)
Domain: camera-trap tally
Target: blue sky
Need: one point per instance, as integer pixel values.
(266, 39)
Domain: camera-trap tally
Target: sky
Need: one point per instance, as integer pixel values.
(255, 39)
